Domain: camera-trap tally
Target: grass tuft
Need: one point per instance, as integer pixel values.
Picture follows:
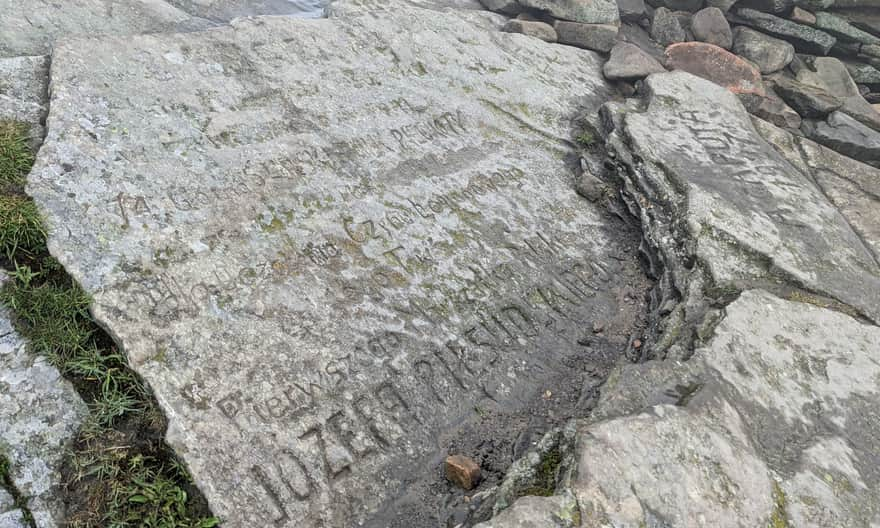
(16, 156)
(120, 474)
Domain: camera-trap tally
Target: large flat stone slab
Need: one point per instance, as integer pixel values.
(737, 207)
(320, 257)
(40, 414)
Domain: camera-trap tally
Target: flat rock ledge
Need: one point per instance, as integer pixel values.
(40, 414)
(761, 407)
(321, 258)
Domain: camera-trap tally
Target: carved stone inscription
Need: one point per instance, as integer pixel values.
(321, 256)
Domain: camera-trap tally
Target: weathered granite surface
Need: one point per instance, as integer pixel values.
(749, 215)
(30, 27)
(319, 256)
(23, 96)
(40, 413)
(773, 422)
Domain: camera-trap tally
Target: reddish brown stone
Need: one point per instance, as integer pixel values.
(715, 64)
(462, 471)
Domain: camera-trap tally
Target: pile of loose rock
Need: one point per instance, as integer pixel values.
(809, 67)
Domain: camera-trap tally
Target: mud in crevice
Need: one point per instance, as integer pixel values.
(498, 434)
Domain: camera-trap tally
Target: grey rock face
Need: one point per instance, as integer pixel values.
(709, 25)
(832, 75)
(773, 109)
(596, 37)
(802, 16)
(742, 440)
(768, 6)
(632, 10)
(683, 5)
(628, 62)
(842, 29)
(23, 95)
(40, 413)
(666, 28)
(510, 7)
(532, 28)
(809, 101)
(804, 38)
(767, 53)
(29, 27)
(723, 5)
(747, 207)
(640, 37)
(583, 11)
(847, 136)
(304, 249)
(559, 511)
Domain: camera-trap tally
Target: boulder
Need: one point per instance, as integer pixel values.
(809, 101)
(736, 201)
(803, 37)
(843, 30)
(532, 28)
(628, 62)
(847, 136)
(666, 27)
(832, 75)
(709, 25)
(802, 16)
(557, 511)
(767, 53)
(596, 37)
(744, 416)
(583, 11)
(715, 64)
(295, 244)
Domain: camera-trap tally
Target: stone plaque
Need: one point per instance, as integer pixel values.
(323, 242)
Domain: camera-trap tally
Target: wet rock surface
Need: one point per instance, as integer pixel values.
(322, 284)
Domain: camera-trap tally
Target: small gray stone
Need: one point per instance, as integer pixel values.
(532, 28)
(583, 11)
(666, 27)
(596, 37)
(831, 75)
(629, 62)
(709, 25)
(847, 136)
(803, 37)
(802, 16)
(863, 73)
(640, 37)
(773, 109)
(767, 53)
(842, 29)
(809, 101)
